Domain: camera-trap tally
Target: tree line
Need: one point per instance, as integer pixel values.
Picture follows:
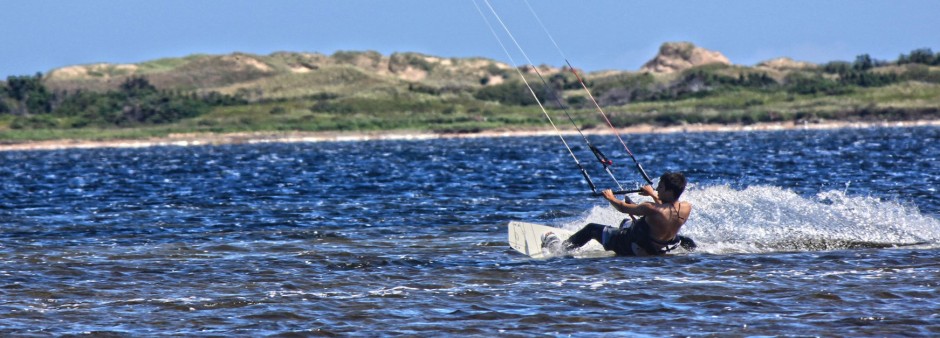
(135, 103)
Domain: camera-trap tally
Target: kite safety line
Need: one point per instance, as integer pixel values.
(539, 102)
(601, 158)
(591, 96)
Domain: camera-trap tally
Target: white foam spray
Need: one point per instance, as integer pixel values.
(769, 219)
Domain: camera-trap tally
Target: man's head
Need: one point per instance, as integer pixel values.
(673, 183)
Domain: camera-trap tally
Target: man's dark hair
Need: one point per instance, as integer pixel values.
(674, 182)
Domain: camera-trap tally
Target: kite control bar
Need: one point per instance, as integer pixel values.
(619, 192)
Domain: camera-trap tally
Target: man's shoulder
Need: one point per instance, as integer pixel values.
(651, 205)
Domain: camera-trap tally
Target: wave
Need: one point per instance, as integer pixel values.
(772, 219)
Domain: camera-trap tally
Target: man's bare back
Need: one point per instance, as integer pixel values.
(665, 219)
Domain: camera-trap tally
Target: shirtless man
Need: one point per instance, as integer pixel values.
(655, 233)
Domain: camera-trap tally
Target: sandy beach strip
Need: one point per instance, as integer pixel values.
(200, 139)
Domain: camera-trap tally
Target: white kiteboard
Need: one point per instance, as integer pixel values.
(527, 239)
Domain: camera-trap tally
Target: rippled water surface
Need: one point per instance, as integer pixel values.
(801, 233)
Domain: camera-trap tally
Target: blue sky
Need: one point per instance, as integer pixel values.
(39, 35)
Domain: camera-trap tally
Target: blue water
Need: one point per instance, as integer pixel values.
(800, 233)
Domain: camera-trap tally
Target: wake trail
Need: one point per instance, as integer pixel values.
(772, 219)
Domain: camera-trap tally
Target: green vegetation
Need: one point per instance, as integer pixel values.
(364, 91)
(136, 103)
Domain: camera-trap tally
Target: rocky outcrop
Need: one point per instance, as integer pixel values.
(679, 56)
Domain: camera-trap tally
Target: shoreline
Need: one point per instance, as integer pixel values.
(203, 139)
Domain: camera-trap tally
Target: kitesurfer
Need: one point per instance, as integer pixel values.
(654, 233)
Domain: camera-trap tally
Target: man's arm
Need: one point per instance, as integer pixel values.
(649, 191)
(624, 207)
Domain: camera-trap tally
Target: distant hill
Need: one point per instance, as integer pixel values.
(288, 75)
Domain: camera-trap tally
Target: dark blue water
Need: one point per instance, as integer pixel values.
(801, 233)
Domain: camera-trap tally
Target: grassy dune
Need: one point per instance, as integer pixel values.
(366, 91)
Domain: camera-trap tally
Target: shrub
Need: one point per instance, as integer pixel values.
(34, 122)
(812, 85)
(512, 93)
(400, 61)
(868, 79)
(837, 67)
(922, 56)
(30, 92)
(577, 101)
(863, 62)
